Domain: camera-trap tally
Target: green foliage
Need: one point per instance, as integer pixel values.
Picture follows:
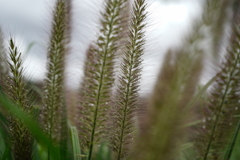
(31, 124)
(178, 122)
(75, 143)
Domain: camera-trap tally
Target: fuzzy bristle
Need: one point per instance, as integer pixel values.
(124, 110)
(174, 88)
(218, 118)
(53, 100)
(20, 137)
(98, 79)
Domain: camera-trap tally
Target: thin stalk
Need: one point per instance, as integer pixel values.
(98, 80)
(102, 74)
(21, 139)
(221, 108)
(54, 113)
(127, 92)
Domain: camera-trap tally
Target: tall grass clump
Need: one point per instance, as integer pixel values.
(180, 119)
(19, 137)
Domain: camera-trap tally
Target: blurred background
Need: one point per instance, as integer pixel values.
(28, 22)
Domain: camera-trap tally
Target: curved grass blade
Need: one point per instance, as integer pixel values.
(199, 94)
(7, 153)
(75, 143)
(232, 143)
(31, 124)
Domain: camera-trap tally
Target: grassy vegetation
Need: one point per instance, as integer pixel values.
(179, 120)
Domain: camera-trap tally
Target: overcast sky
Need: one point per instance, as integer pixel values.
(29, 21)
